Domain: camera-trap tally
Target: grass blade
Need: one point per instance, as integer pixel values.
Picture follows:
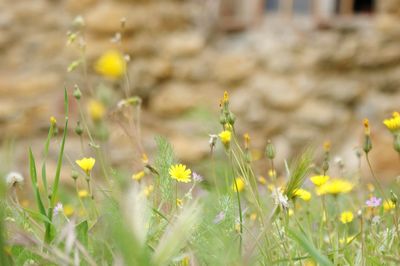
(32, 168)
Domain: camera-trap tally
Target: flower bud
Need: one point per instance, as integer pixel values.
(78, 128)
(270, 150)
(367, 147)
(77, 93)
(74, 175)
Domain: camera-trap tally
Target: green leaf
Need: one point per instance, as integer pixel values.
(38, 216)
(32, 168)
(308, 246)
(82, 232)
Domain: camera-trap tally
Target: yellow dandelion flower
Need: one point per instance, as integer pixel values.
(388, 205)
(262, 180)
(83, 193)
(68, 210)
(86, 164)
(111, 64)
(180, 173)
(335, 187)
(393, 123)
(346, 217)
(302, 194)
(225, 137)
(319, 180)
(96, 110)
(239, 184)
(148, 190)
(53, 121)
(138, 176)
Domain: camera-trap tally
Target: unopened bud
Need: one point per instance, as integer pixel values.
(270, 150)
(367, 147)
(74, 175)
(78, 128)
(77, 93)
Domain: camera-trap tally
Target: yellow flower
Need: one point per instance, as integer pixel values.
(335, 187)
(226, 97)
(370, 187)
(388, 205)
(145, 159)
(239, 183)
(271, 173)
(83, 193)
(367, 129)
(393, 123)
(246, 138)
(86, 164)
(147, 190)
(180, 173)
(346, 217)
(347, 241)
(96, 110)
(319, 180)
(290, 212)
(138, 176)
(253, 216)
(225, 137)
(53, 121)
(111, 64)
(302, 194)
(262, 180)
(179, 203)
(68, 209)
(327, 146)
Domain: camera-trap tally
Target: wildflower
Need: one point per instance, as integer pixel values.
(138, 176)
(302, 194)
(53, 121)
(347, 240)
(86, 164)
(147, 190)
(367, 138)
(197, 177)
(373, 202)
(319, 180)
(346, 217)
(388, 205)
(226, 97)
(253, 216)
(180, 173)
(219, 217)
(327, 146)
(96, 110)
(246, 138)
(262, 180)
(111, 64)
(145, 159)
(272, 173)
(179, 203)
(290, 212)
(225, 137)
(370, 187)
(335, 187)
(238, 184)
(68, 210)
(14, 178)
(83, 193)
(58, 209)
(393, 123)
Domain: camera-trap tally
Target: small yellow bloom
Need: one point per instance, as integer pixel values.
(239, 184)
(302, 194)
(388, 205)
(262, 180)
(319, 180)
(148, 190)
(180, 173)
(346, 217)
(53, 121)
(290, 212)
(145, 159)
(179, 203)
(96, 110)
(226, 97)
(83, 193)
(225, 137)
(185, 261)
(347, 241)
(111, 64)
(246, 138)
(68, 210)
(86, 164)
(370, 187)
(393, 123)
(327, 146)
(335, 187)
(253, 216)
(138, 176)
(271, 173)
(367, 130)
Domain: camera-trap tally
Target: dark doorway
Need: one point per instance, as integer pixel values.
(364, 6)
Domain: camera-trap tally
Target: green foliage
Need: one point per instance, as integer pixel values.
(164, 159)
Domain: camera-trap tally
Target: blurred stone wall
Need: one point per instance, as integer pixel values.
(294, 85)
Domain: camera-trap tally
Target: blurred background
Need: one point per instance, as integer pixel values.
(298, 72)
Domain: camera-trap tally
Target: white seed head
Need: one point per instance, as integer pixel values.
(14, 178)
